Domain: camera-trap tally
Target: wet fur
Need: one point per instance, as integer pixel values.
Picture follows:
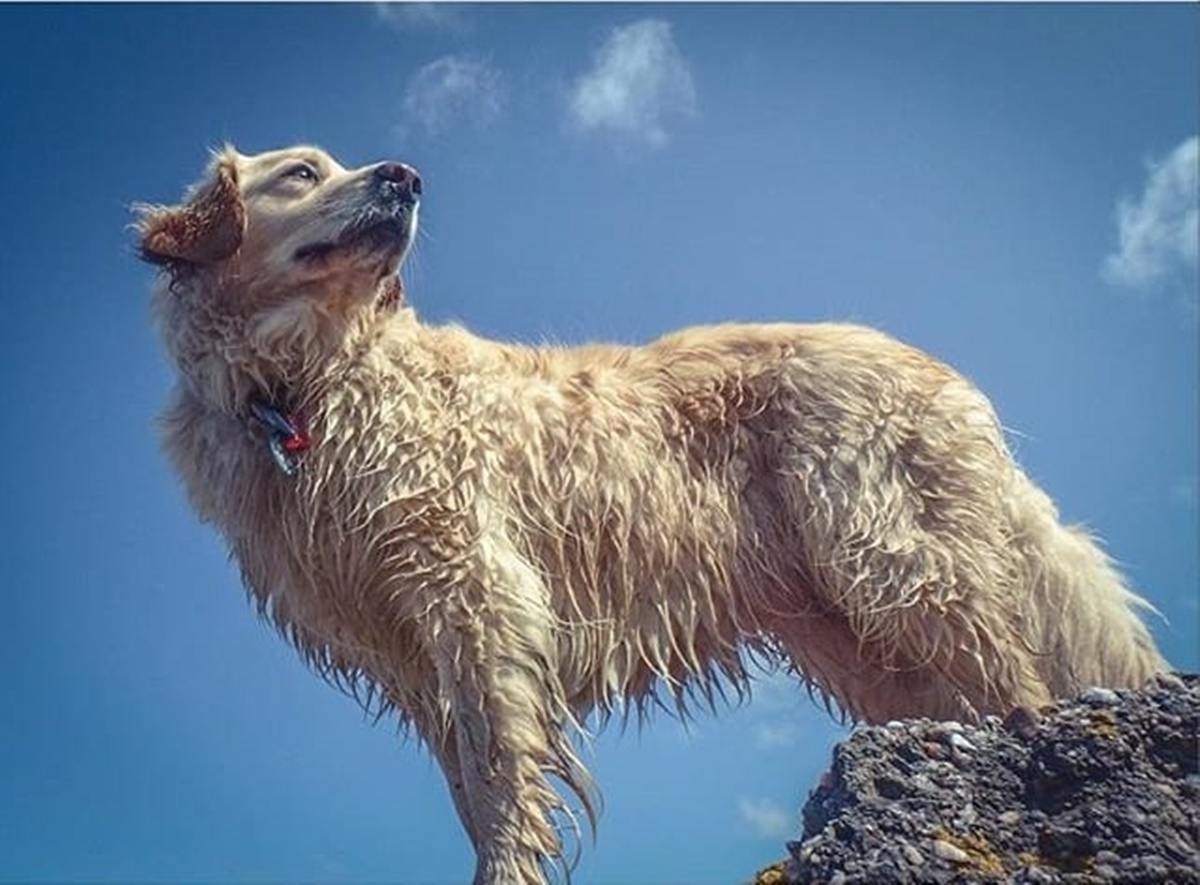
(495, 540)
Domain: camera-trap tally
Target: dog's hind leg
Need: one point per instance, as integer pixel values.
(822, 650)
(912, 548)
(924, 658)
(868, 680)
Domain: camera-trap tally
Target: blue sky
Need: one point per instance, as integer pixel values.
(1011, 188)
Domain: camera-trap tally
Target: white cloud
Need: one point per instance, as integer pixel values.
(638, 80)
(775, 735)
(421, 16)
(453, 89)
(1157, 234)
(766, 818)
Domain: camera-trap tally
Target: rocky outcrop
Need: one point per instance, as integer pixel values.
(1100, 789)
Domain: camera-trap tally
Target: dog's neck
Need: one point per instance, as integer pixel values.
(275, 356)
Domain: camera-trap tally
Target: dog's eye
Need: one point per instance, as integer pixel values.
(302, 172)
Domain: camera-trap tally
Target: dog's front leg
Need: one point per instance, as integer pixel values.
(443, 742)
(496, 683)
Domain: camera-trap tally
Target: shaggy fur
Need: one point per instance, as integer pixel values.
(495, 540)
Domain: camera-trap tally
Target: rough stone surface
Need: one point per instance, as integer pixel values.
(1101, 789)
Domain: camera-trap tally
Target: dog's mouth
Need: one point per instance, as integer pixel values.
(382, 236)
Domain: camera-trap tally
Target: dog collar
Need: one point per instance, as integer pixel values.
(287, 436)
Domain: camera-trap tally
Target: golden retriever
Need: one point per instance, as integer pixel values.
(495, 540)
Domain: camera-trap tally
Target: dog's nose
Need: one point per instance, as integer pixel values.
(401, 177)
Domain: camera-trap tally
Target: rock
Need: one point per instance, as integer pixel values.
(1022, 722)
(951, 852)
(1100, 697)
(1101, 789)
(958, 742)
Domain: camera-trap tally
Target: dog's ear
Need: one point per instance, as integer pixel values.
(205, 229)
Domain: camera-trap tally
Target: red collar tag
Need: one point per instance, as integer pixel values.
(287, 436)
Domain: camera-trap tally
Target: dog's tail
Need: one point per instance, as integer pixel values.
(1085, 622)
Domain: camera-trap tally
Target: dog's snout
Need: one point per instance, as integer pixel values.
(400, 178)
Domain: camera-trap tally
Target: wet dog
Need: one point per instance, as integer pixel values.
(495, 540)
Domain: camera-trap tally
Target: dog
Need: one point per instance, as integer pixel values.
(494, 541)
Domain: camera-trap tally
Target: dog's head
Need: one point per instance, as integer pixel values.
(288, 221)
(272, 252)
